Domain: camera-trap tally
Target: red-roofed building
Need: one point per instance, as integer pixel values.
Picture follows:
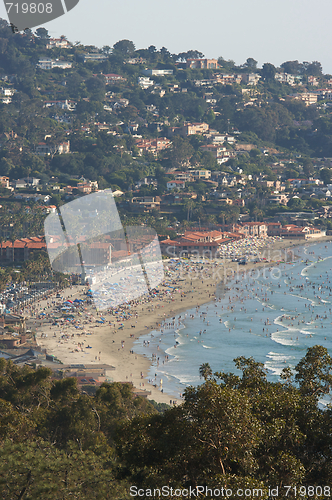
(306, 232)
(153, 146)
(21, 248)
(195, 243)
(294, 231)
(175, 185)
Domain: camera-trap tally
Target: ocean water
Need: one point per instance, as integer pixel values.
(272, 314)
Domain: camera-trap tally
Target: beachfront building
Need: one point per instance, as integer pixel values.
(253, 229)
(22, 249)
(302, 232)
(294, 231)
(274, 228)
(195, 243)
(94, 253)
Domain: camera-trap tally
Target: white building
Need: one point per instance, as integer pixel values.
(285, 78)
(7, 92)
(144, 82)
(59, 43)
(200, 174)
(157, 72)
(250, 78)
(6, 95)
(175, 185)
(94, 57)
(65, 104)
(44, 149)
(48, 64)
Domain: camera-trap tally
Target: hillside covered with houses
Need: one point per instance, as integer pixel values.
(183, 141)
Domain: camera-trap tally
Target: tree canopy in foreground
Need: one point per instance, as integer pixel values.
(236, 432)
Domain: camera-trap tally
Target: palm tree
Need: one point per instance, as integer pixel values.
(1, 242)
(205, 371)
(13, 239)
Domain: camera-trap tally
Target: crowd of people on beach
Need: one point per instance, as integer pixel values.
(75, 315)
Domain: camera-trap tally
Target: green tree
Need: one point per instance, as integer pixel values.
(314, 68)
(250, 64)
(181, 151)
(205, 371)
(125, 48)
(42, 33)
(308, 168)
(221, 417)
(326, 175)
(268, 71)
(295, 203)
(314, 372)
(36, 469)
(292, 67)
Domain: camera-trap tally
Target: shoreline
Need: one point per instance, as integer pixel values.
(116, 345)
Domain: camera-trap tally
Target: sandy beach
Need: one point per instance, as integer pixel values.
(108, 336)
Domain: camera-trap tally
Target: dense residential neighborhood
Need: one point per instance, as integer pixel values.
(181, 139)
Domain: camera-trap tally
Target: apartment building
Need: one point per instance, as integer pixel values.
(308, 98)
(44, 149)
(48, 64)
(175, 185)
(59, 43)
(94, 57)
(194, 128)
(253, 229)
(202, 63)
(157, 72)
(200, 243)
(153, 146)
